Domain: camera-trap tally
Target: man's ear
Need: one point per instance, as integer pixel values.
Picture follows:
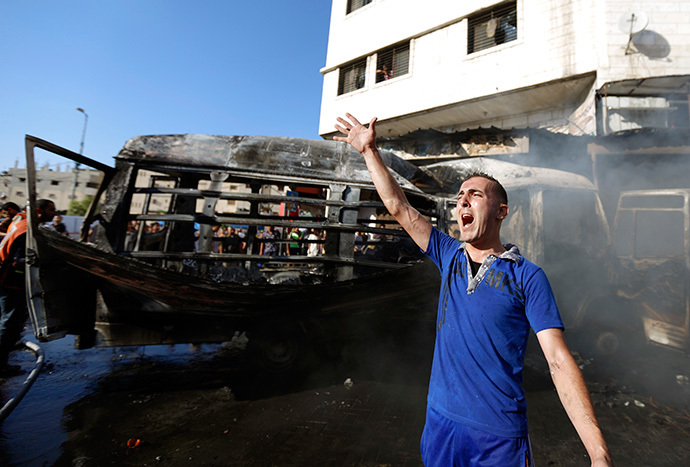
(503, 211)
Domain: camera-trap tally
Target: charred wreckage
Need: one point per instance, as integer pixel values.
(123, 282)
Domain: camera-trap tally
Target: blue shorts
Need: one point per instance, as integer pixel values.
(449, 443)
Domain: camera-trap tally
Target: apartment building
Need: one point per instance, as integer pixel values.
(579, 67)
(60, 186)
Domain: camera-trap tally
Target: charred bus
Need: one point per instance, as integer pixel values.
(152, 265)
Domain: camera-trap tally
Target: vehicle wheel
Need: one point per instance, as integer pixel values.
(278, 349)
(606, 342)
(612, 328)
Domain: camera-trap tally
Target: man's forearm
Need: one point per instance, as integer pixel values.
(574, 395)
(387, 187)
(395, 200)
(364, 141)
(572, 390)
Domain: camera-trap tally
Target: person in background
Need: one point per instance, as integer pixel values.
(384, 74)
(268, 247)
(294, 247)
(359, 247)
(231, 241)
(7, 213)
(57, 225)
(314, 247)
(243, 241)
(12, 295)
(131, 235)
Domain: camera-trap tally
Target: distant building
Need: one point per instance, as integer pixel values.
(59, 186)
(580, 67)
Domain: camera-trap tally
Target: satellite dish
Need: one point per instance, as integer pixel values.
(633, 22)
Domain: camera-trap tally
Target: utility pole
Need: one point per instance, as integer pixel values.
(81, 151)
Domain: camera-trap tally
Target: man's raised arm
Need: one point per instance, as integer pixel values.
(363, 139)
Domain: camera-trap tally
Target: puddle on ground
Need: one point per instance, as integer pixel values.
(64, 410)
(34, 432)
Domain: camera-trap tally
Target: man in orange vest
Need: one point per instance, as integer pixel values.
(12, 296)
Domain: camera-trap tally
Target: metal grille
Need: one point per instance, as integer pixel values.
(353, 5)
(352, 76)
(393, 62)
(493, 27)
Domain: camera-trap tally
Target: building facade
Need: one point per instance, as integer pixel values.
(580, 67)
(61, 187)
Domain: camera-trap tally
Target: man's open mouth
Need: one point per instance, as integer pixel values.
(466, 219)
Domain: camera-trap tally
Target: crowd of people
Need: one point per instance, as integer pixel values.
(302, 242)
(272, 241)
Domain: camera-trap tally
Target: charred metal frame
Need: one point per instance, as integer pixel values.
(173, 293)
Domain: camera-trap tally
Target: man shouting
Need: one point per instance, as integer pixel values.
(490, 298)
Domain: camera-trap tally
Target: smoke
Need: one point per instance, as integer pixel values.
(609, 278)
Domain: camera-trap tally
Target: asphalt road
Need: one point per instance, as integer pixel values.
(175, 407)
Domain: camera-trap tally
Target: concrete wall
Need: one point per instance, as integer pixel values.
(663, 48)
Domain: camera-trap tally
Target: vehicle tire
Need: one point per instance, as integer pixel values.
(278, 349)
(606, 342)
(611, 328)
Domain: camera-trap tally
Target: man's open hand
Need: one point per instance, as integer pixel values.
(356, 134)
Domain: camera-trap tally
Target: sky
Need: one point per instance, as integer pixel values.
(141, 67)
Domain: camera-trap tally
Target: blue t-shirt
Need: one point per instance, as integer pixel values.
(482, 329)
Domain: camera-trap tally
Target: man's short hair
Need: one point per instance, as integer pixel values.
(498, 188)
(10, 205)
(44, 203)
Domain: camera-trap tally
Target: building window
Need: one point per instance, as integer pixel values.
(54, 182)
(492, 27)
(352, 76)
(393, 62)
(353, 5)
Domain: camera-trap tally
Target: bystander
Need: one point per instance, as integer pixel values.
(12, 275)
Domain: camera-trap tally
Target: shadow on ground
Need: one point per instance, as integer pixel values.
(364, 405)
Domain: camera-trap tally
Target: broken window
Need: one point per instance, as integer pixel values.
(492, 27)
(633, 112)
(637, 228)
(352, 76)
(393, 62)
(353, 5)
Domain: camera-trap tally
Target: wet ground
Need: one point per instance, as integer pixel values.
(178, 406)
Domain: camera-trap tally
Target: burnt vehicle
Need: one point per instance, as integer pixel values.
(651, 279)
(151, 266)
(557, 220)
(617, 291)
